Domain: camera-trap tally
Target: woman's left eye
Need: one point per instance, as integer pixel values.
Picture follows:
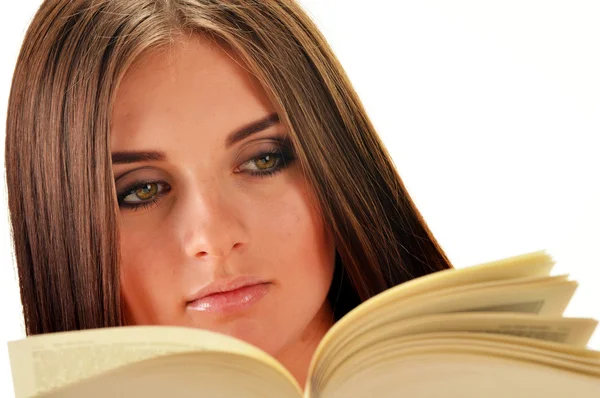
(266, 163)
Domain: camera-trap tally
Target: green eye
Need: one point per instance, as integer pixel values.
(147, 191)
(142, 194)
(266, 162)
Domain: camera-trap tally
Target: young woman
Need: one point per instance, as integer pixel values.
(202, 163)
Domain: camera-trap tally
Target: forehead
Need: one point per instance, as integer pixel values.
(193, 86)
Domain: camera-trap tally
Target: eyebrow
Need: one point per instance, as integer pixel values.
(125, 157)
(137, 156)
(252, 128)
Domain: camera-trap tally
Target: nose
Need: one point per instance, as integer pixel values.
(211, 223)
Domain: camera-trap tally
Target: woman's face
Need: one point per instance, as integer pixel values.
(219, 229)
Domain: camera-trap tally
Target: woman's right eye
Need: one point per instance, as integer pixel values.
(142, 194)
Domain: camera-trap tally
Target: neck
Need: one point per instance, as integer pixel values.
(297, 355)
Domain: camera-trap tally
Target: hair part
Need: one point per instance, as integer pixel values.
(61, 192)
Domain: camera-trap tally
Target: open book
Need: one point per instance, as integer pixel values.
(493, 330)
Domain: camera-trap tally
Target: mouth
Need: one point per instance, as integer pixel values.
(229, 296)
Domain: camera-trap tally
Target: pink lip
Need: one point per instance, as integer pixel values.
(227, 296)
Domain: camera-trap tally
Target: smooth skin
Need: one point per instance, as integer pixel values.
(213, 209)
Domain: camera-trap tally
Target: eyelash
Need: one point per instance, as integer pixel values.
(284, 159)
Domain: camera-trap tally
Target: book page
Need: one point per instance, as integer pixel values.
(371, 347)
(548, 297)
(45, 362)
(572, 331)
(531, 265)
(185, 375)
(504, 342)
(532, 351)
(430, 373)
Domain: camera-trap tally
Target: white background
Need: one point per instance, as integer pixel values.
(491, 112)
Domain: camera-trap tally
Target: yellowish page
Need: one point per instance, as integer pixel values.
(430, 373)
(553, 294)
(536, 264)
(370, 347)
(186, 375)
(45, 362)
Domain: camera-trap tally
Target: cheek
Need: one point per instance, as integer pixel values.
(291, 232)
(140, 252)
(143, 273)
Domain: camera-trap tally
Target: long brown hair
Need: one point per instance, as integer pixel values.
(62, 198)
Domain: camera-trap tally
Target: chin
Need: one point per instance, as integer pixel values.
(250, 330)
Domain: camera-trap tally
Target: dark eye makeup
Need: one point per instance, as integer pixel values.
(262, 165)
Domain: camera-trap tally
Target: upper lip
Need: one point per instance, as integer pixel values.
(226, 285)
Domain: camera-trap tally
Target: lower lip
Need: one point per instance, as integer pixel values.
(231, 301)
